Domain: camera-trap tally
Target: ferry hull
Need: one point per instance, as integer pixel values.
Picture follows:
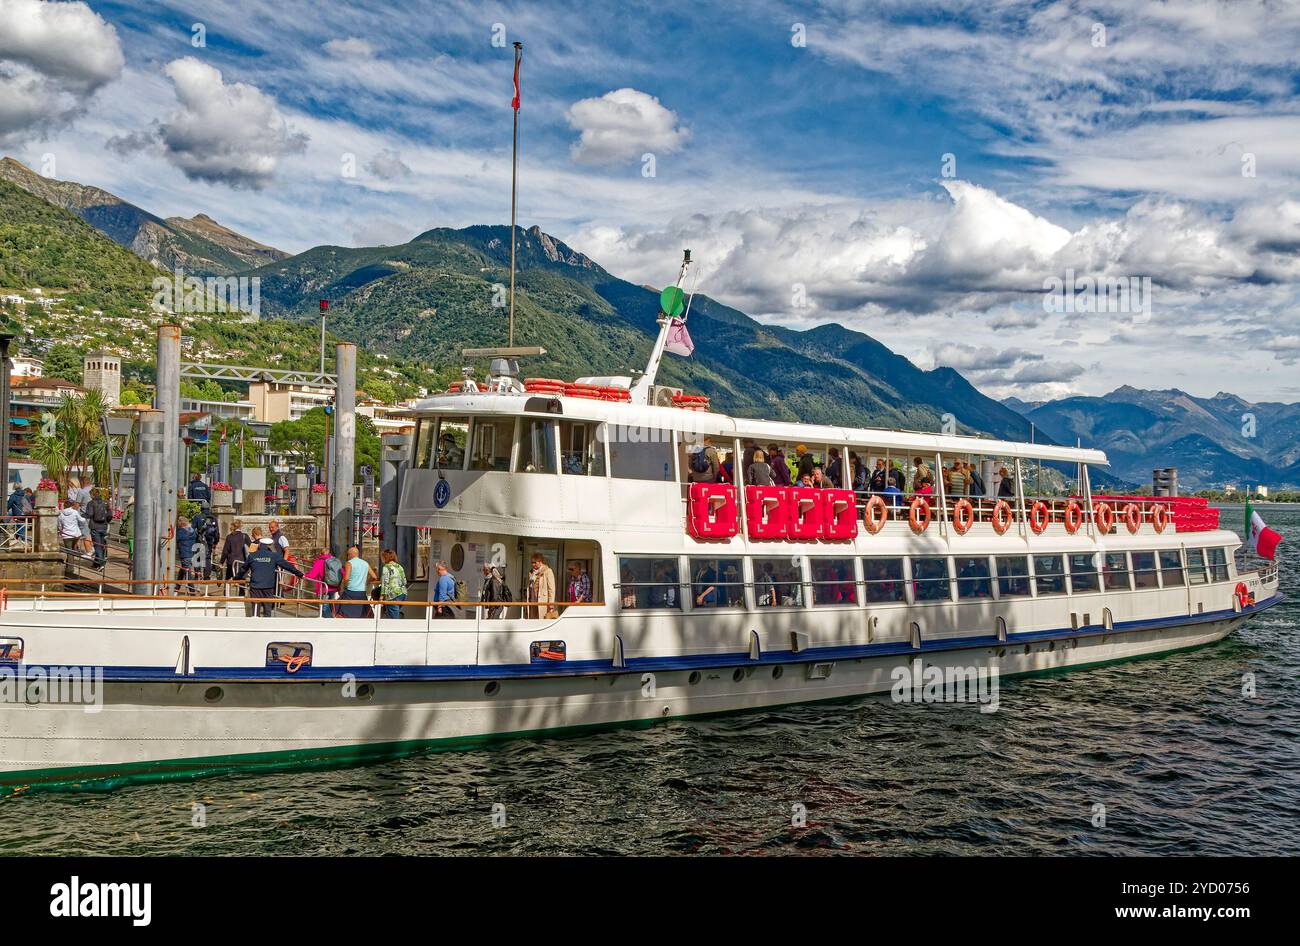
(198, 727)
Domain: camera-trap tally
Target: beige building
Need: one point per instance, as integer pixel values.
(102, 371)
(273, 401)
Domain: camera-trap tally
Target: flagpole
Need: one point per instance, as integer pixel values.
(514, 190)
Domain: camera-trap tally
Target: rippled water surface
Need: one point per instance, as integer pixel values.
(1181, 760)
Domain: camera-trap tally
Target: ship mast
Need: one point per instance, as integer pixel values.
(641, 389)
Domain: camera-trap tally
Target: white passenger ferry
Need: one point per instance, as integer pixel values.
(705, 598)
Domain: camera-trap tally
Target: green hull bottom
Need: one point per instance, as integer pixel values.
(110, 777)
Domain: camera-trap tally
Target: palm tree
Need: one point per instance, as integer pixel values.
(51, 452)
(80, 425)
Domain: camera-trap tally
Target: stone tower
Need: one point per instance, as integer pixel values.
(102, 371)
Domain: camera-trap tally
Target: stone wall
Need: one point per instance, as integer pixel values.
(305, 533)
(44, 565)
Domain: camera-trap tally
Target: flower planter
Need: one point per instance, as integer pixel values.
(47, 498)
(318, 501)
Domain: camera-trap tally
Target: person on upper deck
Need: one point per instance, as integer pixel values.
(1006, 485)
(859, 469)
(820, 480)
(805, 460)
(976, 481)
(897, 478)
(879, 477)
(921, 475)
(832, 472)
(780, 468)
(955, 481)
(703, 463)
(759, 472)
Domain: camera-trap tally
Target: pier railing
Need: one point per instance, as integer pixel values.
(18, 533)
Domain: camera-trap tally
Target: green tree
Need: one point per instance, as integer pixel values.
(304, 438)
(243, 449)
(63, 361)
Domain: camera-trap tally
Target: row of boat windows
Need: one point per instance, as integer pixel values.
(647, 583)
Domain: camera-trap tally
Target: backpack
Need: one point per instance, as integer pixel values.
(333, 572)
(460, 590)
(699, 461)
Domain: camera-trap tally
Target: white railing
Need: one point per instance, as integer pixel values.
(17, 533)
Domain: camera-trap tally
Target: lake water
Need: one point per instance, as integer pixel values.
(1182, 762)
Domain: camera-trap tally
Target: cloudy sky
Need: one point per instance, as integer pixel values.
(919, 170)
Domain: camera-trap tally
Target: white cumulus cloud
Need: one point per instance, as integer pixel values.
(623, 124)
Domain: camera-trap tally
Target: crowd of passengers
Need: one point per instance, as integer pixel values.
(773, 467)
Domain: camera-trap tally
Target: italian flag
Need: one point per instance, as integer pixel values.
(1260, 539)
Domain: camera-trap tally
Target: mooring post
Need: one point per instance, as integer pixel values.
(167, 401)
(148, 477)
(345, 447)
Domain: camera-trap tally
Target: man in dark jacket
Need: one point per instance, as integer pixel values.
(198, 490)
(99, 516)
(186, 538)
(879, 477)
(261, 565)
(233, 551)
(780, 469)
(209, 532)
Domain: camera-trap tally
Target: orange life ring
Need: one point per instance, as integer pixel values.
(875, 515)
(963, 516)
(1039, 516)
(1160, 517)
(1104, 517)
(1002, 517)
(1073, 517)
(918, 517)
(1132, 517)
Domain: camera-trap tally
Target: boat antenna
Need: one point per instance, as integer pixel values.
(671, 306)
(514, 189)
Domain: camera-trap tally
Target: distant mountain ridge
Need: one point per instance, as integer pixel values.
(199, 244)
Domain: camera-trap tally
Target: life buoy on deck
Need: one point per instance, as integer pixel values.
(875, 515)
(1073, 517)
(918, 517)
(1002, 517)
(963, 516)
(1104, 517)
(1132, 517)
(1160, 517)
(1039, 516)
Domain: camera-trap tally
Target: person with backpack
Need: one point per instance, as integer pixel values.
(99, 515)
(233, 551)
(494, 589)
(324, 578)
(704, 463)
(444, 589)
(392, 583)
(209, 531)
(186, 542)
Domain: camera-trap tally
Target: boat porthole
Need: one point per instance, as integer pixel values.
(365, 691)
(492, 688)
(667, 710)
(777, 672)
(694, 678)
(213, 694)
(738, 674)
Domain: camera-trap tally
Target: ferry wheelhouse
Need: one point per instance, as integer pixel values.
(705, 597)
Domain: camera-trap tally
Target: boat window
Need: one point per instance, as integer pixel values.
(1049, 575)
(717, 583)
(581, 451)
(930, 579)
(1218, 564)
(1171, 568)
(1115, 571)
(833, 581)
(491, 441)
(449, 447)
(640, 453)
(884, 578)
(973, 577)
(1013, 576)
(648, 583)
(1196, 566)
(1144, 569)
(1083, 572)
(536, 445)
(778, 582)
(424, 430)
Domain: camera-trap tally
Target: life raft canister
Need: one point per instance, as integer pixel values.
(963, 516)
(1073, 517)
(839, 515)
(918, 517)
(765, 512)
(1160, 517)
(875, 515)
(1104, 517)
(713, 511)
(1002, 517)
(1039, 516)
(1132, 517)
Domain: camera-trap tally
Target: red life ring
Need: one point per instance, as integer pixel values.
(963, 516)
(1039, 516)
(918, 517)
(1073, 517)
(1002, 517)
(1160, 517)
(1132, 518)
(1104, 517)
(875, 515)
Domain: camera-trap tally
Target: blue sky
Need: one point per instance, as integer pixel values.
(913, 170)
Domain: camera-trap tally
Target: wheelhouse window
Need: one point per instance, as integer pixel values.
(1049, 575)
(1171, 568)
(884, 580)
(1196, 566)
(716, 583)
(1083, 572)
(1115, 571)
(930, 579)
(449, 447)
(1218, 564)
(649, 584)
(640, 453)
(778, 583)
(536, 445)
(1013, 576)
(1144, 570)
(833, 581)
(973, 577)
(425, 428)
(491, 442)
(581, 451)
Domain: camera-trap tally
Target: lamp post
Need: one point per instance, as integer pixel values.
(5, 339)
